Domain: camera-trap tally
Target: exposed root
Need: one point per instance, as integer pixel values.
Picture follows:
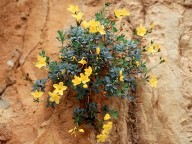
(132, 123)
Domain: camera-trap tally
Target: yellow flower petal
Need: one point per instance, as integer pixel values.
(121, 75)
(93, 29)
(71, 130)
(102, 137)
(73, 8)
(98, 50)
(82, 61)
(152, 25)
(107, 117)
(101, 29)
(85, 86)
(94, 23)
(81, 130)
(137, 63)
(85, 24)
(84, 78)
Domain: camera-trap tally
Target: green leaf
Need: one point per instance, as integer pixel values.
(114, 29)
(114, 114)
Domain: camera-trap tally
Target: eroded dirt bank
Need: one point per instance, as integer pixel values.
(159, 116)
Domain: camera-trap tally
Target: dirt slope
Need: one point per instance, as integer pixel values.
(159, 116)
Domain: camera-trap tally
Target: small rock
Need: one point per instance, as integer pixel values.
(2, 138)
(10, 63)
(4, 104)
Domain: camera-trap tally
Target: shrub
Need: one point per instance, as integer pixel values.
(97, 63)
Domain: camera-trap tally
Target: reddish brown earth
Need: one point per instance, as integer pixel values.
(159, 116)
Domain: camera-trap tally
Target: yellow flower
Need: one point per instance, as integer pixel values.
(102, 137)
(84, 78)
(54, 97)
(93, 29)
(59, 88)
(37, 94)
(121, 13)
(101, 29)
(153, 81)
(107, 117)
(76, 80)
(88, 71)
(141, 31)
(85, 24)
(94, 26)
(78, 16)
(73, 8)
(137, 63)
(75, 130)
(98, 50)
(107, 127)
(94, 23)
(121, 75)
(41, 61)
(82, 61)
(151, 49)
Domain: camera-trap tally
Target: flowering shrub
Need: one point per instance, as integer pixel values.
(96, 62)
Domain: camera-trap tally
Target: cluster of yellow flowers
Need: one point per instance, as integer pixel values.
(152, 49)
(94, 26)
(83, 78)
(74, 9)
(75, 130)
(55, 96)
(106, 129)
